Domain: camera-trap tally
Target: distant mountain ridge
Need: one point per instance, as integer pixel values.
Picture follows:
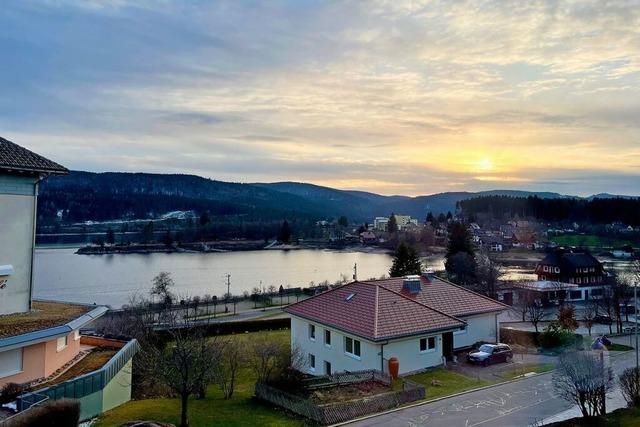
(114, 195)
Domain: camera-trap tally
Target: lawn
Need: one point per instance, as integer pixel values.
(589, 240)
(618, 418)
(618, 347)
(241, 410)
(537, 368)
(449, 382)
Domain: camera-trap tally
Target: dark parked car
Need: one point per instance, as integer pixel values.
(491, 353)
(604, 319)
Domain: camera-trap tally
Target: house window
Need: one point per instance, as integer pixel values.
(312, 362)
(543, 277)
(578, 280)
(61, 344)
(461, 331)
(10, 362)
(545, 268)
(327, 337)
(556, 269)
(352, 347)
(427, 344)
(575, 294)
(327, 368)
(312, 332)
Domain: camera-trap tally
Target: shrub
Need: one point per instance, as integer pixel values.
(554, 336)
(630, 386)
(10, 392)
(54, 413)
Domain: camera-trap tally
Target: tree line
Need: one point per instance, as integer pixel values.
(597, 211)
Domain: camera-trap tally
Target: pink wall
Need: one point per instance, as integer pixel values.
(41, 360)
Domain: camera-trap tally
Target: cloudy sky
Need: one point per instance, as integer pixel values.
(387, 96)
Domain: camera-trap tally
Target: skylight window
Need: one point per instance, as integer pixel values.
(349, 297)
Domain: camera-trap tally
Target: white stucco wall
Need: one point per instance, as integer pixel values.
(406, 350)
(479, 328)
(408, 353)
(334, 354)
(17, 204)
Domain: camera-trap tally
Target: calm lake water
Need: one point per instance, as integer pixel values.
(60, 274)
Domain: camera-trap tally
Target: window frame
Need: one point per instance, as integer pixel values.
(327, 334)
(353, 353)
(426, 341)
(312, 362)
(9, 373)
(312, 332)
(59, 347)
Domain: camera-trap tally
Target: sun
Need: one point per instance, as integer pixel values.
(484, 165)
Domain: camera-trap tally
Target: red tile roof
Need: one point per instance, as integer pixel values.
(374, 312)
(446, 296)
(381, 309)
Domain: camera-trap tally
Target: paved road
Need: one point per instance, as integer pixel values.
(521, 403)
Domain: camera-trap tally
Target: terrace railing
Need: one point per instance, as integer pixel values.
(86, 384)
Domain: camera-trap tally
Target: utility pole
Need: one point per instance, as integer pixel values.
(635, 312)
(355, 272)
(226, 309)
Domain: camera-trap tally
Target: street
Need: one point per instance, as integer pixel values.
(520, 403)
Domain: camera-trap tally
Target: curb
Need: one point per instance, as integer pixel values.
(426, 402)
(462, 393)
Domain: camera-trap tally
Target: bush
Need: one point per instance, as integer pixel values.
(10, 392)
(555, 336)
(630, 386)
(54, 413)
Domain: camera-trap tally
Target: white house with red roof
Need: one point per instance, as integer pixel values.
(420, 320)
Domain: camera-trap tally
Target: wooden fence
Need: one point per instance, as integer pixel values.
(333, 413)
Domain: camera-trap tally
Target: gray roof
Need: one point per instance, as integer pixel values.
(18, 159)
(43, 335)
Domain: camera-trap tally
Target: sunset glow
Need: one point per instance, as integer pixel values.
(391, 97)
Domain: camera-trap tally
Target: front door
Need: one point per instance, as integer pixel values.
(586, 294)
(447, 346)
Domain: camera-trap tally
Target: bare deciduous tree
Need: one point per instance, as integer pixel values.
(186, 365)
(266, 357)
(232, 356)
(589, 313)
(535, 314)
(630, 386)
(583, 379)
(488, 274)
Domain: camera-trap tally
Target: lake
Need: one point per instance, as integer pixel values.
(60, 274)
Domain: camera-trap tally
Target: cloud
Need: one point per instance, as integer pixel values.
(406, 97)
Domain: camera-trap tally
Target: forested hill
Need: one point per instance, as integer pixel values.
(88, 196)
(602, 209)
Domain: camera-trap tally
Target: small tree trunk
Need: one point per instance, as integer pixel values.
(184, 420)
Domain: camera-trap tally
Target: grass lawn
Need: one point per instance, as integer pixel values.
(450, 382)
(240, 410)
(618, 347)
(618, 418)
(589, 240)
(537, 368)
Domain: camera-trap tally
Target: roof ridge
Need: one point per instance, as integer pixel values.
(321, 293)
(375, 313)
(473, 292)
(422, 304)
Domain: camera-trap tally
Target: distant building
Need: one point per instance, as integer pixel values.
(380, 223)
(368, 237)
(573, 267)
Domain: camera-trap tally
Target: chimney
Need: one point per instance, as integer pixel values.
(429, 274)
(412, 284)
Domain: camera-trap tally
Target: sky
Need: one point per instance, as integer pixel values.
(393, 97)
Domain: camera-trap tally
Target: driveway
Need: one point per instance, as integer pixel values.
(496, 371)
(519, 403)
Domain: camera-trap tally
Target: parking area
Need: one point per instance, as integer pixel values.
(497, 371)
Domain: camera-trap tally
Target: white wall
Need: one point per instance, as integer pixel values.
(16, 240)
(479, 328)
(406, 350)
(408, 353)
(340, 361)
